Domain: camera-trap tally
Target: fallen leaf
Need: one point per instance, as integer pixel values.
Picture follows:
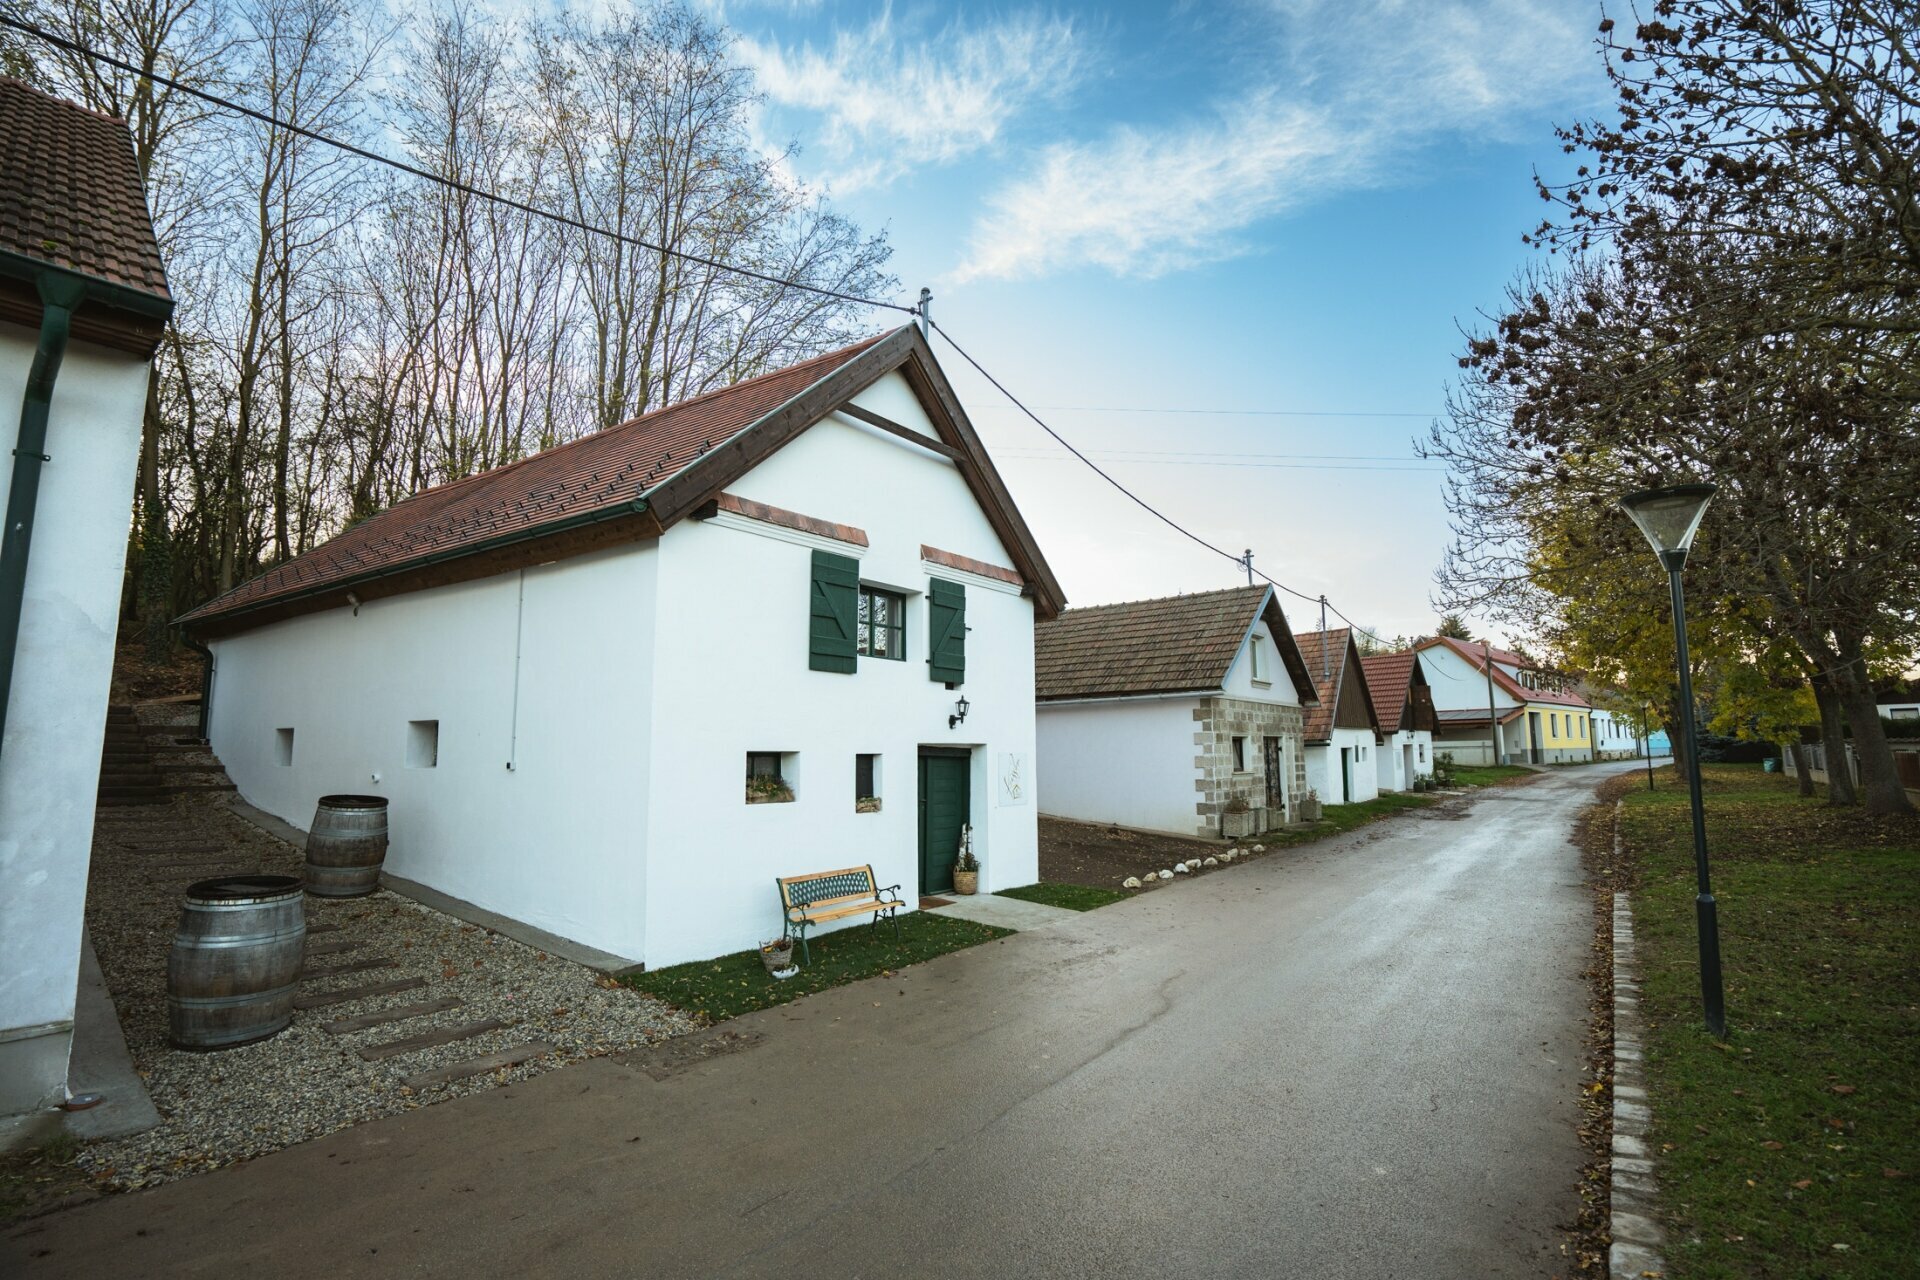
(1803, 1184)
(1891, 1173)
(1844, 1089)
(1774, 1146)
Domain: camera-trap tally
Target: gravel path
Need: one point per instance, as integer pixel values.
(231, 1105)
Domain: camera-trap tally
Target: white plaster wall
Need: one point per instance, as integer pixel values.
(1128, 761)
(1400, 753)
(732, 657)
(1458, 685)
(557, 841)
(1277, 687)
(1613, 735)
(50, 761)
(1323, 766)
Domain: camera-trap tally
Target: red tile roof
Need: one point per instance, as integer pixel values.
(1389, 679)
(1472, 653)
(72, 196)
(600, 474)
(1325, 653)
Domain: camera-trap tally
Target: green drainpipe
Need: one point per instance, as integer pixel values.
(59, 295)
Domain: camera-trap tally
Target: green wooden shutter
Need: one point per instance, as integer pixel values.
(946, 631)
(831, 633)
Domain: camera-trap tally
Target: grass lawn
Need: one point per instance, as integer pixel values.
(1074, 897)
(731, 985)
(1793, 1149)
(1486, 775)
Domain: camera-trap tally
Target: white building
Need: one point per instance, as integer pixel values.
(83, 301)
(1343, 734)
(1403, 706)
(1541, 718)
(1159, 714)
(1615, 737)
(571, 675)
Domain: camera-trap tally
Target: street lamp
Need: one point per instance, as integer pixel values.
(1669, 518)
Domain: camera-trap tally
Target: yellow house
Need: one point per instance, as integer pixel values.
(1541, 719)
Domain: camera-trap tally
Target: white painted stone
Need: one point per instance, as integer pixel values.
(1131, 882)
(1180, 868)
(1211, 862)
(1166, 875)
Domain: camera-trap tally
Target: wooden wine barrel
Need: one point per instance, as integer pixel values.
(235, 964)
(346, 846)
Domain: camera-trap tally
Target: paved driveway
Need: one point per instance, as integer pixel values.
(1360, 1060)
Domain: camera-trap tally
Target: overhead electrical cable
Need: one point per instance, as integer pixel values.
(453, 184)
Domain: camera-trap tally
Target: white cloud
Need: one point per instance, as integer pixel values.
(1350, 91)
(888, 102)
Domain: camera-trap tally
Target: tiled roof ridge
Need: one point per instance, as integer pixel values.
(1178, 595)
(17, 83)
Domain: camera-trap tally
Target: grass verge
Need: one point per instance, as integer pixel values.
(39, 1178)
(1791, 1149)
(728, 986)
(1074, 897)
(1488, 775)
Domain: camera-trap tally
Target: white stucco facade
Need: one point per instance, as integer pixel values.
(56, 719)
(626, 687)
(1402, 757)
(1614, 736)
(1325, 775)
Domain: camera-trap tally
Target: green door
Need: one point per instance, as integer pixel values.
(944, 785)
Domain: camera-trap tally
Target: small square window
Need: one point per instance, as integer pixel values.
(769, 777)
(882, 624)
(1239, 755)
(283, 745)
(423, 744)
(866, 784)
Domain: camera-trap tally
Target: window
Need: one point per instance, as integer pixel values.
(883, 624)
(1553, 724)
(1239, 755)
(1257, 655)
(769, 777)
(866, 784)
(1583, 729)
(283, 745)
(423, 744)
(1423, 753)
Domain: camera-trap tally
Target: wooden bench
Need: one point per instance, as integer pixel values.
(821, 896)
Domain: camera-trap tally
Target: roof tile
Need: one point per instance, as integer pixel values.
(1176, 644)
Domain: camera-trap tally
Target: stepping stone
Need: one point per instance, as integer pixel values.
(478, 1066)
(431, 1039)
(331, 948)
(334, 971)
(323, 999)
(401, 1014)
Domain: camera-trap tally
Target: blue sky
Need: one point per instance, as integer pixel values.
(1289, 205)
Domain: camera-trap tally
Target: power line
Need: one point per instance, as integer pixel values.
(452, 184)
(1242, 413)
(1198, 462)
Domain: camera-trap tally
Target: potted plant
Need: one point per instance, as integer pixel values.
(1236, 818)
(966, 872)
(777, 955)
(1310, 807)
(867, 804)
(765, 790)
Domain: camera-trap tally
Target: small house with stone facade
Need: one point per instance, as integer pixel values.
(1342, 731)
(1403, 704)
(614, 690)
(1161, 714)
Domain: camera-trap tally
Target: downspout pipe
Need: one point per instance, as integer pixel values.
(60, 294)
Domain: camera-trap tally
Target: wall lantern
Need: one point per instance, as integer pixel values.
(959, 716)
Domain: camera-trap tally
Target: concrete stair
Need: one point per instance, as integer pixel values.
(139, 763)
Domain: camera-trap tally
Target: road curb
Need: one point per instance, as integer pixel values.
(1637, 1235)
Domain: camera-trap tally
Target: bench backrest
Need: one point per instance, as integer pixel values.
(798, 891)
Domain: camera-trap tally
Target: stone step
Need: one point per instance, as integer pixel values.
(355, 966)
(322, 999)
(479, 1066)
(117, 801)
(186, 788)
(430, 1039)
(346, 1025)
(331, 947)
(163, 847)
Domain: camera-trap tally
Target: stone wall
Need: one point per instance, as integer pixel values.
(1217, 722)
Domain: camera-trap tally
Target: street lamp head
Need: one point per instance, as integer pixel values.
(1669, 518)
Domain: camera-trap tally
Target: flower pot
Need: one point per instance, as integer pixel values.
(778, 957)
(1237, 826)
(1310, 810)
(966, 882)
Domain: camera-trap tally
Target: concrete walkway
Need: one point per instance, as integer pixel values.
(1007, 913)
(1360, 1060)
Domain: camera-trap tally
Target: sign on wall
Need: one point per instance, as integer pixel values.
(1012, 785)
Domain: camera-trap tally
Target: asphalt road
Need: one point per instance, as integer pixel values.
(1358, 1060)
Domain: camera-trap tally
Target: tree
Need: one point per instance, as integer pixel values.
(1453, 627)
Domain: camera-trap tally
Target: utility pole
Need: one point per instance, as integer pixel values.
(1493, 722)
(926, 313)
(1247, 560)
(1326, 658)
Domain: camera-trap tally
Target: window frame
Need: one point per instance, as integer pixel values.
(1239, 746)
(863, 626)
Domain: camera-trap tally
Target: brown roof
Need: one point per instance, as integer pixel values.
(1389, 676)
(1325, 653)
(1177, 644)
(646, 473)
(1473, 654)
(72, 195)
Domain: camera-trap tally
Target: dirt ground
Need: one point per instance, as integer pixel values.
(1083, 853)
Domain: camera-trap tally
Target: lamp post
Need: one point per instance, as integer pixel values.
(1669, 518)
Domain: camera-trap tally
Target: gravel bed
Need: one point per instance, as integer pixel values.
(238, 1103)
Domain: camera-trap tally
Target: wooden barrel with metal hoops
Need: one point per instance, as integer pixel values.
(235, 964)
(346, 846)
